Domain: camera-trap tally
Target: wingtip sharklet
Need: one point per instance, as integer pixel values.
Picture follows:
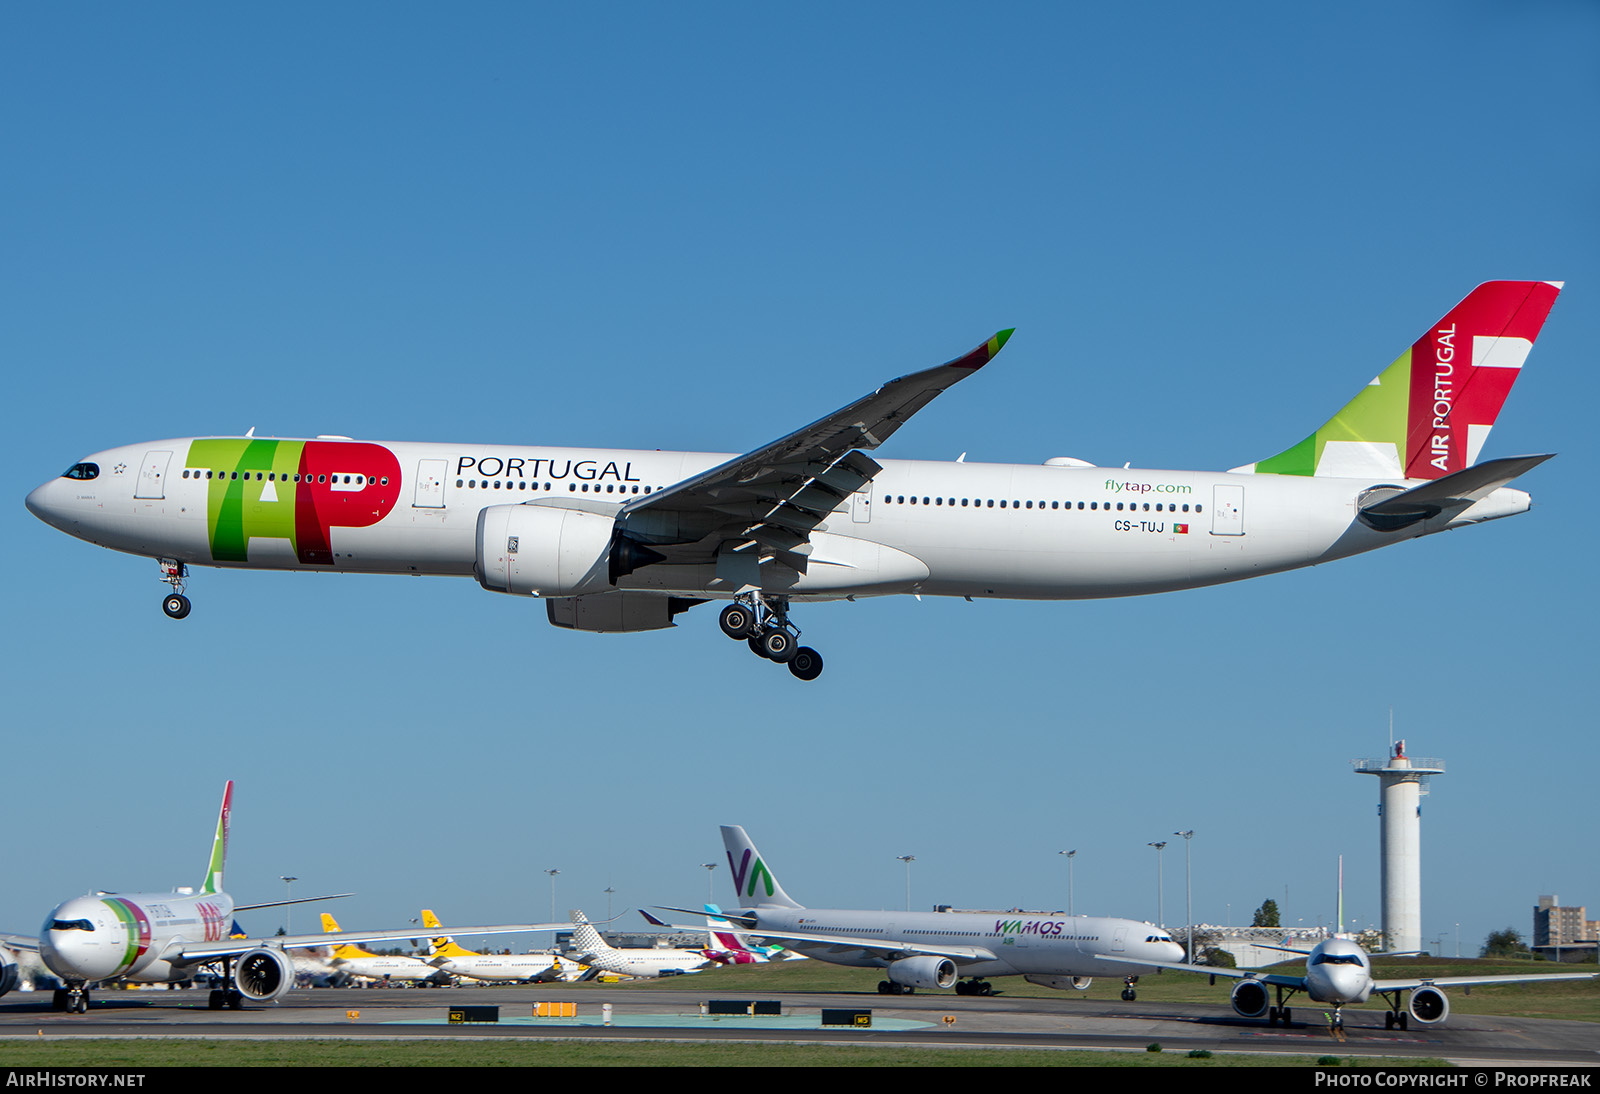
(986, 352)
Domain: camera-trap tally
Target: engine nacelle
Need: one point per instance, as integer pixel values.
(541, 550)
(263, 974)
(1429, 1006)
(10, 975)
(1250, 999)
(923, 972)
(1060, 983)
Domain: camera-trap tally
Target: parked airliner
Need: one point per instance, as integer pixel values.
(446, 954)
(646, 964)
(160, 938)
(934, 949)
(616, 540)
(1338, 973)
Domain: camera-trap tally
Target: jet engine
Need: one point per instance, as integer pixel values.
(1060, 983)
(1429, 1006)
(1250, 999)
(263, 974)
(923, 972)
(543, 550)
(9, 974)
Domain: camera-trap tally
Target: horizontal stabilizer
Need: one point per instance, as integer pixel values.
(1390, 512)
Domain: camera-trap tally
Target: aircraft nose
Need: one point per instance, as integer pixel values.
(45, 503)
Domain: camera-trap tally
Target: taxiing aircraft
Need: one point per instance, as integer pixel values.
(160, 938)
(645, 964)
(1338, 973)
(616, 540)
(450, 957)
(935, 949)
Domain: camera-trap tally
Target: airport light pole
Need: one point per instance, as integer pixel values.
(1161, 889)
(609, 891)
(1070, 856)
(908, 860)
(1188, 894)
(288, 909)
(710, 870)
(552, 874)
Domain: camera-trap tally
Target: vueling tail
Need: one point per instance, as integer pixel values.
(1428, 414)
(753, 883)
(585, 939)
(219, 844)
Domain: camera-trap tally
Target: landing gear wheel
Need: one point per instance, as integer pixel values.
(58, 999)
(217, 999)
(736, 621)
(79, 1003)
(885, 988)
(806, 663)
(778, 646)
(1283, 1013)
(754, 642)
(1129, 995)
(176, 605)
(235, 999)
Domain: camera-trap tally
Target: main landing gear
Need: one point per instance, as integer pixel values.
(176, 605)
(763, 623)
(974, 987)
(889, 987)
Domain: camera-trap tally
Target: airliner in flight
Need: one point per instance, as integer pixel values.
(617, 540)
(936, 949)
(161, 938)
(1339, 973)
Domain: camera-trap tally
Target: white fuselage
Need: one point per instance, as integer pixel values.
(1338, 971)
(1024, 944)
(954, 529)
(114, 936)
(508, 967)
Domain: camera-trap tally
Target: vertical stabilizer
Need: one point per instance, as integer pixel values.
(753, 883)
(1428, 414)
(585, 939)
(219, 844)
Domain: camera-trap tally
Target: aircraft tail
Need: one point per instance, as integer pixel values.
(753, 883)
(440, 944)
(1428, 414)
(586, 940)
(219, 844)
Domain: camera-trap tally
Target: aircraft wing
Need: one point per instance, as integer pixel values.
(1446, 981)
(20, 942)
(839, 944)
(1280, 979)
(768, 501)
(190, 953)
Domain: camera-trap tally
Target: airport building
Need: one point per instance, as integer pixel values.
(1564, 933)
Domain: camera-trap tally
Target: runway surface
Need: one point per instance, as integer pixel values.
(899, 1020)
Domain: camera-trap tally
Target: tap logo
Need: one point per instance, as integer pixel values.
(297, 491)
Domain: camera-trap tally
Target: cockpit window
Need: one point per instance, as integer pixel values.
(71, 924)
(82, 471)
(1337, 959)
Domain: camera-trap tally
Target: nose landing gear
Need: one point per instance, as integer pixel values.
(764, 625)
(175, 604)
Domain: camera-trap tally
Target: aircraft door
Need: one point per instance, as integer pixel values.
(153, 475)
(1227, 511)
(430, 485)
(861, 504)
(1119, 940)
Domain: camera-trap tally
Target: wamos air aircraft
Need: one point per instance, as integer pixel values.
(161, 938)
(933, 949)
(616, 540)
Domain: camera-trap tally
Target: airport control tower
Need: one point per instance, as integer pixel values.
(1402, 780)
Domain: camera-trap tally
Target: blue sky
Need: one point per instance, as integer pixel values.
(700, 226)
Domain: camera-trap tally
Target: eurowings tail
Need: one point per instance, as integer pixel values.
(753, 882)
(1427, 415)
(219, 844)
